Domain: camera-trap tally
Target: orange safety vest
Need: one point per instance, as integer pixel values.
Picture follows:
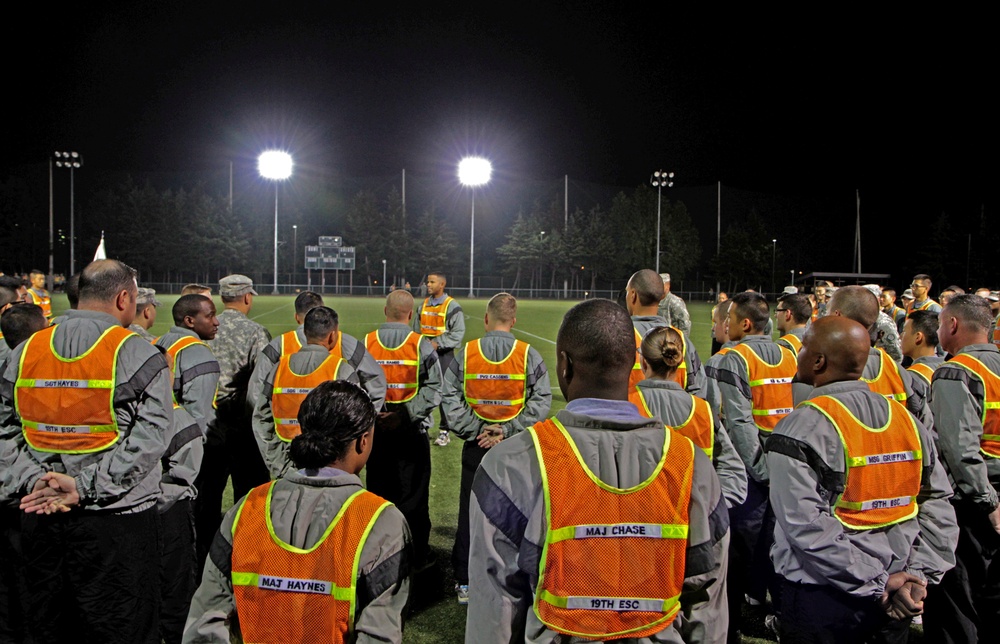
(989, 443)
(44, 301)
(699, 425)
(434, 319)
(66, 405)
(290, 342)
(770, 386)
(401, 365)
(680, 375)
(495, 390)
(793, 341)
(996, 331)
(925, 371)
(289, 594)
(290, 389)
(173, 350)
(926, 304)
(887, 382)
(595, 579)
(884, 466)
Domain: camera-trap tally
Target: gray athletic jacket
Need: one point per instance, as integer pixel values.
(508, 527)
(805, 458)
(696, 375)
(393, 334)
(302, 506)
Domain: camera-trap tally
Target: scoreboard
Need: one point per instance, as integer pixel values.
(330, 254)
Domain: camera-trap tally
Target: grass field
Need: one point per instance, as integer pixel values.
(436, 616)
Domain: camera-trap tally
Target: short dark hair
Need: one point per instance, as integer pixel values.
(320, 322)
(186, 305)
(925, 322)
(799, 306)
(954, 289)
(104, 279)
(73, 290)
(8, 295)
(19, 322)
(891, 292)
(503, 307)
(438, 274)
(856, 303)
(648, 285)
(752, 306)
(972, 309)
(600, 333)
(334, 414)
(307, 301)
(35, 271)
(923, 277)
(11, 281)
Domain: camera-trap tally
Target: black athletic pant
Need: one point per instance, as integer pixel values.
(812, 613)
(178, 566)
(472, 456)
(92, 576)
(445, 358)
(11, 576)
(750, 568)
(399, 470)
(965, 605)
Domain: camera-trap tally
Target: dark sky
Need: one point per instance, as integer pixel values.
(787, 103)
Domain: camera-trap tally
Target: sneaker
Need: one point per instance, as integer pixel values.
(443, 438)
(918, 619)
(751, 601)
(462, 590)
(771, 621)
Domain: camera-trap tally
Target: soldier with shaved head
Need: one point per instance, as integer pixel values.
(399, 468)
(552, 504)
(965, 398)
(860, 499)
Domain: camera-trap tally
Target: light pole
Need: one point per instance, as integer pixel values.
(473, 172)
(383, 277)
(295, 251)
(277, 166)
(774, 250)
(660, 180)
(71, 161)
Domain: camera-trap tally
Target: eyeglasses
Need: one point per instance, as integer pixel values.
(915, 285)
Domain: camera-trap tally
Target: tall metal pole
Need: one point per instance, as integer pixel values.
(275, 291)
(472, 240)
(383, 277)
(718, 234)
(659, 197)
(51, 226)
(72, 230)
(774, 250)
(295, 251)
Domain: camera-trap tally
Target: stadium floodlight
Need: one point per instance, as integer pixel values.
(69, 161)
(276, 166)
(660, 180)
(473, 172)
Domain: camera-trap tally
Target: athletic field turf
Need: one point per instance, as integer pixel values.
(435, 615)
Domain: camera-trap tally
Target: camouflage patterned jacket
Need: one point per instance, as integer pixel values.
(235, 346)
(673, 310)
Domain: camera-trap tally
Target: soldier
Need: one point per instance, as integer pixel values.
(196, 289)
(965, 399)
(907, 299)
(8, 297)
(369, 373)
(755, 383)
(90, 531)
(921, 288)
(885, 333)
(642, 296)
(17, 285)
(722, 298)
(720, 335)
(672, 308)
(597, 464)
(950, 292)
(791, 317)
(230, 446)
(920, 344)
(39, 296)
(195, 379)
(854, 549)
(897, 314)
(496, 387)
(399, 468)
(440, 319)
(286, 383)
(145, 313)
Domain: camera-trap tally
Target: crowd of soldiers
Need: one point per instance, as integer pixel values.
(843, 477)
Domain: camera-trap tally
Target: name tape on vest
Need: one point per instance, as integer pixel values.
(773, 412)
(614, 603)
(498, 403)
(290, 585)
(647, 530)
(63, 429)
(296, 390)
(883, 504)
(490, 376)
(63, 384)
(286, 421)
(773, 381)
(400, 385)
(894, 457)
(396, 362)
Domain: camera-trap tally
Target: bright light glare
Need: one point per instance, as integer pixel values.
(474, 171)
(275, 164)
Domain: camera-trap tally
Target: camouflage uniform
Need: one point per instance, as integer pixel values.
(673, 310)
(887, 337)
(230, 444)
(144, 296)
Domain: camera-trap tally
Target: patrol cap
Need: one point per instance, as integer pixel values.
(908, 294)
(874, 288)
(994, 296)
(788, 290)
(147, 296)
(665, 277)
(235, 286)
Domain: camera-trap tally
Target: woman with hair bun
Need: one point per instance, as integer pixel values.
(312, 556)
(657, 395)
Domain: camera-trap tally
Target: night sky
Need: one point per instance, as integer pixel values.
(791, 104)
